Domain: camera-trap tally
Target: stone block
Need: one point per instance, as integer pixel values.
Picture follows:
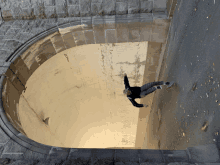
(79, 38)
(27, 13)
(73, 10)
(50, 12)
(58, 153)
(82, 155)
(97, 1)
(97, 20)
(22, 37)
(121, 19)
(146, 6)
(7, 15)
(133, 6)
(4, 138)
(108, 7)
(68, 40)
(34, 155)
(72, 2)
(21, 162)
(146, 17)
(13, 148)
(103, 156)
(127, 155)
(145, 32)
(109, 22)
(121, 8)
(61, 11)
(50, 3)
(12, 45)
(88, 22)
(39, 10)
(99, 33)
(159, 34)
(5, 54)
(122, 33)
(85, 8)
(4, 29)
(159, 5)
(110, 36)
(175, 156)
(89, 37)
(151, 156)
(134, 33)
(58, 44)
(96, 9)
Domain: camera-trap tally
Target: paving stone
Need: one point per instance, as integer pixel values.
(58, 153)
(146, 6)
(57, 43)
(13, 150)
(23, 37)
(119, 163)
(108, 7)
(121, 8)
(97, 20)
(34, 155)
(73, 11)
(4, 161)
(131, 163)
(18, 24)
(11, 33)
(27, 13)
(96, 9)
(133, 6)
(3, 137)
(85, 8)
(73, 2)
(23, 162)
(12, 45)
(4, 54)
(50, 162)
(4, 29)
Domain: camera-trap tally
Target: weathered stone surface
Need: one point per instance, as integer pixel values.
(151, 156)
(50, 12)
(133, 6)
(13, 150)
(146, 6)
(68, 40)
(121, 8)
(7, 15)
(73, 11)
(103, 156)
(97, 1)
(50, 3)
(58, 43)
(22, 162)
(85, 8)
(73, 2)
(110, 36)
(159, 5)
(122, 33)
(3, 137)
(83, 156)
(127, 156)
(108, 7)
(79, 38)
(89, 37)
(96, 9)
(99, 33)
(12, 44)
(34, 155)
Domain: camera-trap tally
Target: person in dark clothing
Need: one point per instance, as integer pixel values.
(140, 92)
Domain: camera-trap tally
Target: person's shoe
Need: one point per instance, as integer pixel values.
(159, 87)
(169, 84)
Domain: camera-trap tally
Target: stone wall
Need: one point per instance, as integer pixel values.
(40, 9)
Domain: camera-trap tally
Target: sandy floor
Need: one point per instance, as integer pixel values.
(80, 90)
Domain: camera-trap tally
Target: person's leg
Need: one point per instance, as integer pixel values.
(151, 84)
(148, 91)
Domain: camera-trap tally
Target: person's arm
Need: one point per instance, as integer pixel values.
(126, 81)
(135, 103)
